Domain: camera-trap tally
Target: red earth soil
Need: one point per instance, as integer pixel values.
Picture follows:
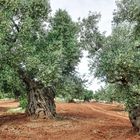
(76, 121)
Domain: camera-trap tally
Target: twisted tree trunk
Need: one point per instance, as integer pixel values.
(41, 102)
(134, 116)
(40, 98)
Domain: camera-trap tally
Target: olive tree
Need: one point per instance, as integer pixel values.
(115, 59)
(36, 50)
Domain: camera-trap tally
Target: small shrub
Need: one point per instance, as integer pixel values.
(1, 95)
(88, 95)
(23, 102)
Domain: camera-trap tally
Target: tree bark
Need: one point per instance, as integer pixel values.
(134, 116)
(41, 102)
(40, 98)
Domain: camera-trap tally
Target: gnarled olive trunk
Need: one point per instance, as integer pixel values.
(134, 116)
(40, 98)
(41, 102)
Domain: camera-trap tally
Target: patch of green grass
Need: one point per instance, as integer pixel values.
(16, 110)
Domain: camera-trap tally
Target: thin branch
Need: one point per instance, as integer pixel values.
(15, 25)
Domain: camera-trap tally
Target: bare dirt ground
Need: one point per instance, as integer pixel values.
(83, 121)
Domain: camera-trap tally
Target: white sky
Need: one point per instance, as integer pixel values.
(80, 8)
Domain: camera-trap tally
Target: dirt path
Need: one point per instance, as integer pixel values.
(106, 112)
(89, 121)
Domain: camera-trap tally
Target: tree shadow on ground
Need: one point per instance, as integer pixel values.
(74, 116)
(117, 109)
(9, 118)
(3, 109)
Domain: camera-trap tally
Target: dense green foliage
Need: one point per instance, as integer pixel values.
(110, 93)
(128, 11)
(90, 37)
(71, 87)
(87, 95)
(21, 36)
(116, 61)
(46, 47)
(63, 31)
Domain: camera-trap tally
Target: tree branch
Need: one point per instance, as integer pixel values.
(122, 80)
(15, 25)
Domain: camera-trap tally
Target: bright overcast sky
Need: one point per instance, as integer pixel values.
(80, 8)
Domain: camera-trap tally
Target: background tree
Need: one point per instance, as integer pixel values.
(90, 37)
(118, 63)
(71, 87)
(116, 59)
(64, 31)
(87, 95)
(129, 11)
(110, 93)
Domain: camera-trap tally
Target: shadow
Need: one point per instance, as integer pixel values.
(3, 109)
(117, 109)
(75, 116)
(12, 118)
(117, 131)
(6, 117)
